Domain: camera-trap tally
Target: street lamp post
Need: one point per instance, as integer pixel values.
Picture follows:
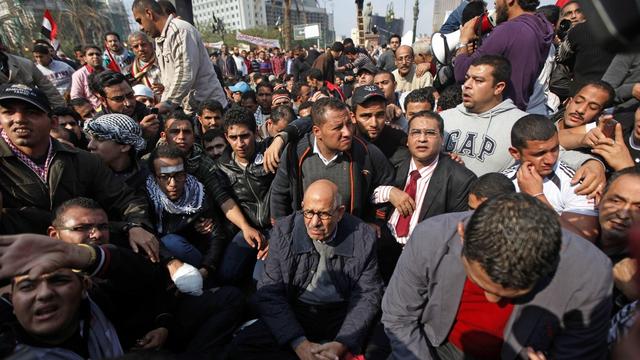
(416, 10)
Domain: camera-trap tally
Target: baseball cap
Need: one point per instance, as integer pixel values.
(24, 93)
(369, 68)
(240, 86)
(367, 92)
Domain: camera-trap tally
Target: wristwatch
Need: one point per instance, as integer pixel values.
(130, 225)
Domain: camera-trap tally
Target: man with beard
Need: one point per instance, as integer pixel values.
(115, 52)
(144, 68)
(117, 97)
(187, 73)
(299, 67)
(523, 37)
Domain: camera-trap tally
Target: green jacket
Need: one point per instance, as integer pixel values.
(72, 173)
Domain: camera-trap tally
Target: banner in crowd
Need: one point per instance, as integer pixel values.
(268, 43)
(215, 45)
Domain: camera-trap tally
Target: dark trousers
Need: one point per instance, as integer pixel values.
(320, 323)
(239, 262)
(389, 251)
(205, 323)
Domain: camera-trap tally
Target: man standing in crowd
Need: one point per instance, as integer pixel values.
(38, 172)
(476, 287)
(277, 63)
(115, 52)
(387, 60)
(326, 307)
(326, 62)
(187, 74)
(80, 85)
(58, 72)
(523, 37)
(406, 77)
(18, 70)
(144, 69)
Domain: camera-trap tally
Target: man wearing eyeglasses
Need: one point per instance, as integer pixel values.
(427, 183)
(405, 74)
(117, 97)
(321, 289)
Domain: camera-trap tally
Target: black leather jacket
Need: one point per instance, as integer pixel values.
(251, 185)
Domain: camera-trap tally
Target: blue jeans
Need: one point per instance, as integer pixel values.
(182, 249)
(239, 263)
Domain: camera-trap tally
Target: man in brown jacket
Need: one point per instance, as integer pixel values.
(326, 62)
(37, 172)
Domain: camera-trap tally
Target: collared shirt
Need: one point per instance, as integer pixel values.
(411, 81)
(381, 195)
(559, 191)
(316, 150)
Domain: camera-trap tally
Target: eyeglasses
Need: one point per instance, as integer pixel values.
(179, 176)
(415, 133)
(405, 59)
(121, 98)
(86, 228)
(323, 215)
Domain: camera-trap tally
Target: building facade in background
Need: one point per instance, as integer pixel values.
(306, 12)
(440, 10)
(236, 14)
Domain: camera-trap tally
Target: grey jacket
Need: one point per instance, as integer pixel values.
(566, 316)
(187, 73)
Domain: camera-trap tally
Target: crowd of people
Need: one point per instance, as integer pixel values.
(164, 200)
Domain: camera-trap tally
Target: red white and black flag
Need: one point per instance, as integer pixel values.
(50, 29)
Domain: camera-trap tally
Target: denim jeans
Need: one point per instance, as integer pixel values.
(239, 263)
(182, 249)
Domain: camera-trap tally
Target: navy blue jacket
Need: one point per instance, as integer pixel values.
(290, 266)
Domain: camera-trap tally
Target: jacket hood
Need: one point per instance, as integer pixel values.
(504, 106)
(541, 26)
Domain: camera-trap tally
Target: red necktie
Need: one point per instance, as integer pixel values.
(402, 227)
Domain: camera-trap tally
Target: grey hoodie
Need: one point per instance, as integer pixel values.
(483, 140)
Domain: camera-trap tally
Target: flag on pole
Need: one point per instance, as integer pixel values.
(50, 29)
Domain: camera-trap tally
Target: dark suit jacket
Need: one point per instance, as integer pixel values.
(448, 189)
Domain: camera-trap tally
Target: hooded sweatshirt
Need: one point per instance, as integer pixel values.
(482, 140)
(525, 42)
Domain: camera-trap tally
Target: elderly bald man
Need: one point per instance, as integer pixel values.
(406, 74)
(321, 289)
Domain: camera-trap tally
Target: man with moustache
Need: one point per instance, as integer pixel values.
(144, 69)
(187, 72)
(522, 36)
